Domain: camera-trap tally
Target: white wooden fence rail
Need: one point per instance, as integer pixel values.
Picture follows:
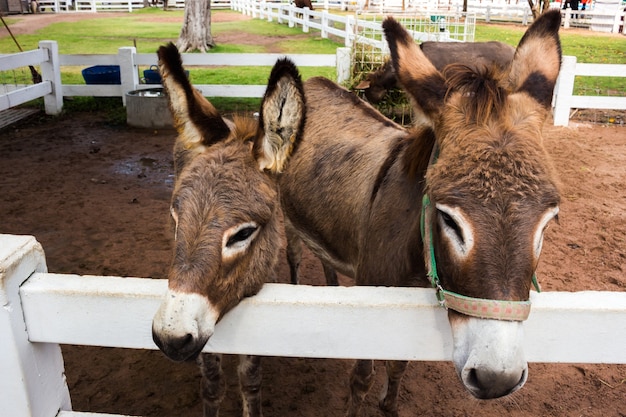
(53, 91)
(130, 61)
(41, 310)
(47, 58)
(565, 100)
(608, 20)
(346, 27)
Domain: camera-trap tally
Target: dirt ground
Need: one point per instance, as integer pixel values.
(96, 195)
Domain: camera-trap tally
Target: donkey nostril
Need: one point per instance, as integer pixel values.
(472, 379)
(486, 384)
(182, 342)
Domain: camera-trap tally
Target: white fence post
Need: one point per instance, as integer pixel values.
(32, 381)
(269, 12)
(525, 17)
(568, 18)
(343, 65)
(51, 71)
(349, 31)
(564, 91)
(617, 22)
(324, 24)
(292, 13)
(129, 75)
(305, 19)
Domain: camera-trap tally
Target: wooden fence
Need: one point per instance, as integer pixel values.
(564, 98)
(130, 61)
(40, 311)
(453, 27)
(53, 91)
(47, 58)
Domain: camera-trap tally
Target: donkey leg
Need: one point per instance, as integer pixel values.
(331, 275)
(360, 383)
(213, 385)
(389, 397)
(250, 384)
(294, 250)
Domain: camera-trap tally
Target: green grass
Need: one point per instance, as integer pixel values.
(595, 49)
(107, 35)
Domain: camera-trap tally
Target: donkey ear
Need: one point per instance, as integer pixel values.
(198, 123)
(416, 73)
(537, 60)
(282, 117)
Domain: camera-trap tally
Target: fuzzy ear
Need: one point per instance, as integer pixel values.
(198, 123)
(416, 73)
(537, 60)
(282, 117)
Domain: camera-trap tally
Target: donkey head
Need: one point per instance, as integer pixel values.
(225, 204)
(492, 190)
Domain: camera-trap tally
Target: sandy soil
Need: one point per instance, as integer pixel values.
(96, 195)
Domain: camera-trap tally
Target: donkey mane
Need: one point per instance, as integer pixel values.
(244, 128)
(482, 94)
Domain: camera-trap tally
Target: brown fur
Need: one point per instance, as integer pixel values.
(476, 55)
(303, 3)
(225, 193)
(351, 184)
(365, 176)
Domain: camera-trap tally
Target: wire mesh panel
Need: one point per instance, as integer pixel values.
(370, 53)
(12, 80)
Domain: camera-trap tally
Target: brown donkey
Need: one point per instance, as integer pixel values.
(226, 212)
(462, 202)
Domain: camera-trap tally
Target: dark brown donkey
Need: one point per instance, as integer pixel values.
(226, 213)
(464, 200)
(441, 54)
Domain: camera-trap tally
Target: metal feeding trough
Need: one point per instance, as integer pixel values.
(148, 109)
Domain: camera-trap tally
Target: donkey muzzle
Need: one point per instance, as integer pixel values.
(183, 324)
(488, 355)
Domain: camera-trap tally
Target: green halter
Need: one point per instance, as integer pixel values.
(476, 307)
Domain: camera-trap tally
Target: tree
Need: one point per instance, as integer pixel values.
(539, 7)
(196, 31)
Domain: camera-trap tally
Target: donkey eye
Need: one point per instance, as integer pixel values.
(449, 222)
(241, 235)
(237, 239)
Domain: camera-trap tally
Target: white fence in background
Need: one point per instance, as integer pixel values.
(565, 100)
(42, 310)
(443, 26)
(46, 57)
(53, 91)
(600, 18)
(130, 61)
(63, 6)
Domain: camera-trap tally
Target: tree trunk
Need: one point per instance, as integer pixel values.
(534, 9)
(196, 31)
